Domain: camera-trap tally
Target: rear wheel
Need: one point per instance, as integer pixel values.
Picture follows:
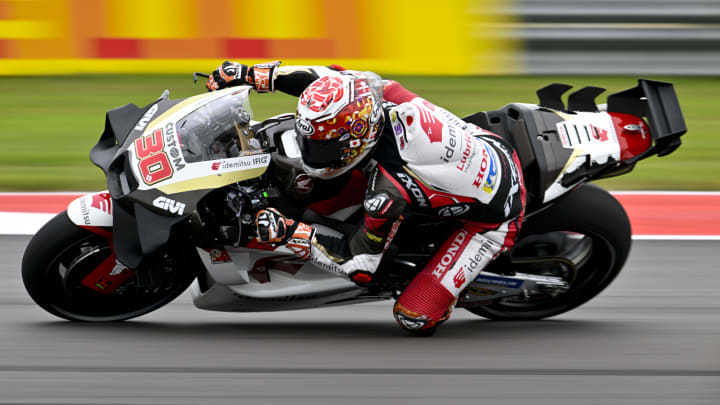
(588, 236)
(61, 255)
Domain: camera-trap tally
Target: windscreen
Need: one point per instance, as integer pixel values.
(218, 130)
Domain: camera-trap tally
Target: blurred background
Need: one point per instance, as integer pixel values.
(63, 63)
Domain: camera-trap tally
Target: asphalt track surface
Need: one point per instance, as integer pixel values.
(653, 337)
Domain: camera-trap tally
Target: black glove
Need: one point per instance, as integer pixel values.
(274, 227)
(228, 74)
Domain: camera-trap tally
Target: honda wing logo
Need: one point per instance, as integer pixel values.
(459, 278)
(303, 183)
(102, 202)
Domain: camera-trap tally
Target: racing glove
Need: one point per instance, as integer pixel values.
(227, 74)
(275, 228)
(261, 76)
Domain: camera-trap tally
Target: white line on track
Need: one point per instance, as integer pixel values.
(18, 223)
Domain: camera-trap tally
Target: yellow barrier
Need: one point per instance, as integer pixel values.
(452, 37)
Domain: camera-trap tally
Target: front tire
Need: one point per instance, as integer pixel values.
(61, 254)
(590, 228)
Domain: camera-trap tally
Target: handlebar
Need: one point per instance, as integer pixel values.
(196, 74)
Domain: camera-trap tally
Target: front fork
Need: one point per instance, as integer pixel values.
(93, 212)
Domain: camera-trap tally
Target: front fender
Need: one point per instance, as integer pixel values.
(133, 235)
(92, 211)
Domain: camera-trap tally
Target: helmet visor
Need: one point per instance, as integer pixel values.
(321, 154)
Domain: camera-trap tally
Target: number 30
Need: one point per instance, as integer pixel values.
(154, 164)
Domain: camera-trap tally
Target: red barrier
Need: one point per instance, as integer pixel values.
(35, 202)
(672, 213)
(651, 213)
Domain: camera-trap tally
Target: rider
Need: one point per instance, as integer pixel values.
(420, 158)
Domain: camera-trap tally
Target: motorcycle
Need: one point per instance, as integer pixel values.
(185, 178)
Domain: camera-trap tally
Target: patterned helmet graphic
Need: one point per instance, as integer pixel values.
(337, 124)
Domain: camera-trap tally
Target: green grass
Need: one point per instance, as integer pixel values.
(49, 124)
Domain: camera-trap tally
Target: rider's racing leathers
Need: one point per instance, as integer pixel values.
(427, 161)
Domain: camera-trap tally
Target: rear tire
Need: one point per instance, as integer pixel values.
(61, 254)
(600, 255)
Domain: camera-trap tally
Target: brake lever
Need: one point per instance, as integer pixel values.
(196, 74)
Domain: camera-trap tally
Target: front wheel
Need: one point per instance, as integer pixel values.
(590, 229)
(61, 254)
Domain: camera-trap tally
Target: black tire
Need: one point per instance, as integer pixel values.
(61, 254)
(600, 254)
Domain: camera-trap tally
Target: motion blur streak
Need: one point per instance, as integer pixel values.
(650, 338)
(122, 36)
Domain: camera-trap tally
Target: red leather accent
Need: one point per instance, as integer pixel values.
(394, 92)
(440, 199)
(448, 254)
(352, 194)
(374, 224)
(427, 296)
(397, 185)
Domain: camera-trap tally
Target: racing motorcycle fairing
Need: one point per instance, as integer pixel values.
(560, 148)
(92, 211)
(659, 103)
(247, 280)
(263, 277)
(140, 231)
(160, 161)
(197, 143)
